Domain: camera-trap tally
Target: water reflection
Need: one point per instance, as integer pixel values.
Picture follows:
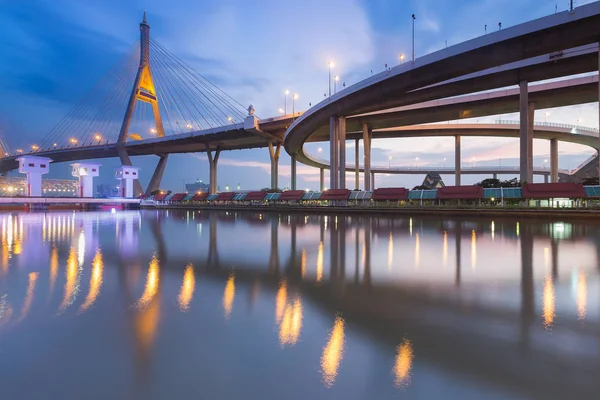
(72, 281)
(403, 364)
(187, 288)
(455, 318)
(548, 303)
(95, 282)
(333, 353)
(229, 295)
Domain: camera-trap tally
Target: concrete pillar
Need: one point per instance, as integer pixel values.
(127, 175)
(85, 173)
(322, 179)
(342, 150)
(126, 162)
(545, 178)
(495, 176)
(274, 151)
(333, 153)
(367, 134)
(526, 140)
(356, 165)
(457, 160)
(34, 167)
(213, 159)
(372, 180)
(293, 179)
(158, 174)
(554, 160)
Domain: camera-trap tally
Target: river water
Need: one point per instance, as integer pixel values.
(218, 305)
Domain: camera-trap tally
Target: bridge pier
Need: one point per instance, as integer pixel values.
(457, 160)
(527, 114)
(274, 151)
(321, 179)
(212, 163)
(293, 173)
(333, 153)
(158, 174)
(495, 176)
(545, 178)
(126, 162)
(356, 165)
(342, 150)
(553, 160)
(367, 135)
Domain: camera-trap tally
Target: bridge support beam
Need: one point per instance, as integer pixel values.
(553, 160)
(126, 161)
(342, 150)
(274, 151)
(527, 113)
(321, 179)
(457, 160)
(293, 182)
(356, 165)
(213, 159)
(367, 135)
(333, 152)
(158, 174)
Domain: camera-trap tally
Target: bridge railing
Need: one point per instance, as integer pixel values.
(574, 128)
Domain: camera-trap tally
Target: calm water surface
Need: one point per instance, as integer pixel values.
(188, 305)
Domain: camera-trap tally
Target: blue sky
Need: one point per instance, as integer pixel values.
(51, 53)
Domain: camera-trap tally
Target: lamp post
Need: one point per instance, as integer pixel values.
(401, 58)
(285, 101)
(413, 37)
(330, 64)
(294, 97)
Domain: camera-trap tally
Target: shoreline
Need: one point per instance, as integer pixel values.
(393, 211)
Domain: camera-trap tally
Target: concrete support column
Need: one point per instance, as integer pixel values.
(367, 134)
(333, 152)
(545, 178)
(553, 160)
(274, 151)
(126, 161)
(213, 159)
(321, 179)
(372, 180)
(457, 160)
(342, 150)
(356, 165)
(293, 183)
(158, 174)
(526, 137)
(495, 176)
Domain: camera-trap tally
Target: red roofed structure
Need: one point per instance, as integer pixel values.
(389, 194)
(291, 195)
(225, 196)
(553, 190)
(335, 194)
(160, 197)
(178, 197)
(200, 196)
(460, 193)
(255, 196)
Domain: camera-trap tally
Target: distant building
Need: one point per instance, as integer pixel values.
(433, 180)
(198, 186)
(105, 190)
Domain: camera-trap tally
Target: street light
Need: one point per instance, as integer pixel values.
(230, 119)
(401, 58)
(320, 150)
(35, 147)
(281, 111)
(335, 79)
(294, 97)
(152, 130)
(285, 101)
(73, 141)
(189, 126)
(98, 137)
(19, 151)
(330, 65)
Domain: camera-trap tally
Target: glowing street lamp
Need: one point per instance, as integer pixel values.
(19, 151)
(230, 119)
(73, 141)
(98, 137)
(152, 130)
(35, 147)
(294, 97)
(55, 145)
(281, 111)
(320, 150)
(401, 58)
(189, 126)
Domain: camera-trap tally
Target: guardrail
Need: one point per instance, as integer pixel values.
(576, 128)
